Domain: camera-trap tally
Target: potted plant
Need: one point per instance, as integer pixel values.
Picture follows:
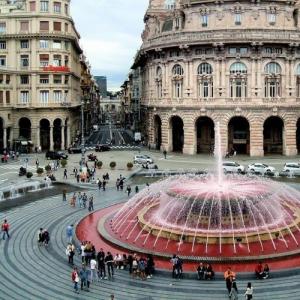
(63, 163)
(29, 175)
(40, 171)
(48, 168)
(99, 164)
(112, 165)
(129, 165)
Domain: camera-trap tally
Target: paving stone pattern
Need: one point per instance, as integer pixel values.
(28, 271)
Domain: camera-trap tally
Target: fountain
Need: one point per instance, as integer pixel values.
(221, 217)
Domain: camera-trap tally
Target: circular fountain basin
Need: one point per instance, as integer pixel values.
(197, 216)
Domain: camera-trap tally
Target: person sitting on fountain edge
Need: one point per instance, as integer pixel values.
(266, 271)
(209, 272)
(201, 271)
(259, 271)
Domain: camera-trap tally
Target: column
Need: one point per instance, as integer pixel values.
(289, 138)
(4, 137)
(256, 139)
(63, 146)
(11, 137)
(51, 138)
(166, 136)
(68, 141)
(38, 140)
(189, 138)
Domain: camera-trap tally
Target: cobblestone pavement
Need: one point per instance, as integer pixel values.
(31, 272)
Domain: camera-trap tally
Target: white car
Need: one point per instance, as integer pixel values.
(232, 167)
(260, 168)
(292, 168)
(142, 159)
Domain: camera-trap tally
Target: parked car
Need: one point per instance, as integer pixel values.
(73, 150)
(56, 155)
(102, 148)
(232, 167)
(260, 168)
(142, 159)
(150, 166)
(292, 168)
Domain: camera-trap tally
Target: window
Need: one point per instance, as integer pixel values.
(66, 9)
(203, 51)
(177, 70)
(238, 67)
(66, 61)
(56, 45)
(32, 5)
(204, 19)
(67, 45)
(44, 96)
(44, 79)
(24, 26)
(57, 7)
(44, 25)
(66, 27)
(24, 97)
(298, 81)
(44, 44)
(44, 6)
(7, 97)
(243, 50)
(66, 96)
(238, 80)
(24, 79)
(24, 44)
(7, 79)
(1, 97)
(57, 79)
(178, 89)
(238, 18)
(66, 79)
(272, 68)
(2, 44)
(272, 80)
(2, 27)
(57, 60)
(2, 61)
(272, 18)
(24, 61)
(204, 68)
(44, 60)
(58, 96)
(170, 4)
(57, 26)
(232, 51)
(159, 82)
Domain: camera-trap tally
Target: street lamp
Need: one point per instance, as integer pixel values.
(84, 100)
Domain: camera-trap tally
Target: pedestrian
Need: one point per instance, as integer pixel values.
(93, 265)
(46, 237)
(5, 228)
(121, 184)
(75, 279)
(101, 264)
(249, 291)
(234, 294)
(165, 154)
(99, 184)
(84, 200)
(83, 277)
(128, 190)
(104, 185)
(70, 232)
(37, 163)
(136, 189)
(79, 200)
(64, 195)
(78, 178)
(147, 185)
(174, 265)
(91, 203)
(73, 200)
(70, 252)
(65, 174)
(40, 237)
(229, 277)
(109, 260)
(118, 184)
(130, 262)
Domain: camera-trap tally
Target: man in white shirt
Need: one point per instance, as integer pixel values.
(93, 265)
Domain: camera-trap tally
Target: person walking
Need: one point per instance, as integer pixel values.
(93, 266)
(70, 252)
(104, 185)
(165, 154)
(40, 237)
(101, 264)
(229, 277)
(136, 189)
(91, 203)
(109, 260)
(37, 163)
(128, 190)
(64, 195)
(70, 232)
(65, 174)
(46, 237)
(75, 279)
(5, 228)
(249, 291)
(234, 294)
(83, 278)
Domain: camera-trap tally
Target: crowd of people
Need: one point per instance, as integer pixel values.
(80, 200)
(97, 266)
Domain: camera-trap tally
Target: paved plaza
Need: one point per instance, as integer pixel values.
(29, 271)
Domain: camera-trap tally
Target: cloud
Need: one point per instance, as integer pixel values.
(110, 34)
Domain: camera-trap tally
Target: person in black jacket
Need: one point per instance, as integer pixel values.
(201, 270)
(109, 261)
(130, 261)
(101, 264)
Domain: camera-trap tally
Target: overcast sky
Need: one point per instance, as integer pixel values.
(110, 35)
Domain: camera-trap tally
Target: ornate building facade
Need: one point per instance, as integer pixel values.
(40, 70)
(233, 63)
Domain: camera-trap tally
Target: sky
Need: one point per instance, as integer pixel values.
(110, 35)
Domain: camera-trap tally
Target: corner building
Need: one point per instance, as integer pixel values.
(235, 63)
(39, 74)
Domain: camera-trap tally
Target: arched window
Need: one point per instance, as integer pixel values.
(204, 68)
(170, 4)
(205, 80)
(159, 82)
(238, 68)
(272, 68)
(238, 80)
(177, 72)
(272, 80)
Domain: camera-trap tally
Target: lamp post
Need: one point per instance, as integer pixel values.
(84, 101)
